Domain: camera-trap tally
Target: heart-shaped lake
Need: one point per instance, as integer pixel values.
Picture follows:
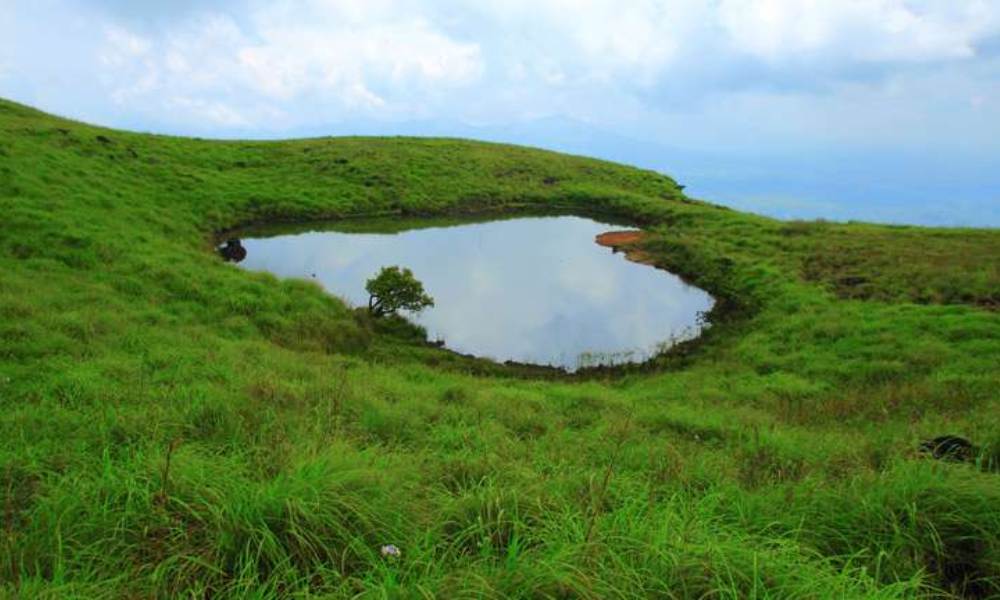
(530, 289)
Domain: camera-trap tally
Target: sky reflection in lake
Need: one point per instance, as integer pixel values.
(536, 289)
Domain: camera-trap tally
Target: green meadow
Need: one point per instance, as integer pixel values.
(172, 426)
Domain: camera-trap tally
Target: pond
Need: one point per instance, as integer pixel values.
(529, 289)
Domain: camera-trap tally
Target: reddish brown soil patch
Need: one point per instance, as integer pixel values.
(625, 241)
(618, 239)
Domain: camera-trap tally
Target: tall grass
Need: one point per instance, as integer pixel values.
(171, 426)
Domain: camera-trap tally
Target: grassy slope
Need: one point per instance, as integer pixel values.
(172, 425)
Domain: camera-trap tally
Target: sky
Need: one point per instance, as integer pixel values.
(884, 110)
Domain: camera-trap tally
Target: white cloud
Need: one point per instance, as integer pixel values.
(863, 30)
(291, 59)
(6, 40)
(336, 54)
(599, 40)
(217, 113)
(684, 70)
(123, 46)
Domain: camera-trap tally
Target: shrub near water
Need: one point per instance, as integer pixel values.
(172, 426)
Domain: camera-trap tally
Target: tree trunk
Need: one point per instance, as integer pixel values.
(375, 306)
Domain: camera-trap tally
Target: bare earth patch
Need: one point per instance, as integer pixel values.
(627, 242)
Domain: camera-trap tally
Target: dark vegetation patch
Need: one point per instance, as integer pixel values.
(893, 264)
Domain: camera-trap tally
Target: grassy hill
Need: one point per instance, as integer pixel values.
(172, 426)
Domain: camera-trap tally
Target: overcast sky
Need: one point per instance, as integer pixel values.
(769, 77)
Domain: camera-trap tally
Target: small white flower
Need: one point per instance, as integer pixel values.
(390, 550)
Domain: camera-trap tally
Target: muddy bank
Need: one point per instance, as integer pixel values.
(627, 242)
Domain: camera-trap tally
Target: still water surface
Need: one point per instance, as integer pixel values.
(534, 289)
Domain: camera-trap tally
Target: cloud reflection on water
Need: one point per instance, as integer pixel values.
(535, 289)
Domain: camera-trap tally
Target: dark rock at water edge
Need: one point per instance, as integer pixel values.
(233, 251)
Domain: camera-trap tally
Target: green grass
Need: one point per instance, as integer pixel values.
(172, 426)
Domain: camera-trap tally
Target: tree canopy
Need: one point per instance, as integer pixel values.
(395, 289)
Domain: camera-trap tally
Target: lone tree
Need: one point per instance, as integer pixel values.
(396, 289)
